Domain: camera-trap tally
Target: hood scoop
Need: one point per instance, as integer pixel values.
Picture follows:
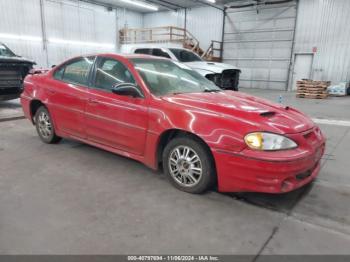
(268, 114)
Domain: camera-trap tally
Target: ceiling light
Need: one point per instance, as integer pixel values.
(141, 4)
(21, 37)
(81, 43)
(212, 1)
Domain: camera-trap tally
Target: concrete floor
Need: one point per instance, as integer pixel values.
(72, 198)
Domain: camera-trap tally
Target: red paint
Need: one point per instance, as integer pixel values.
(132, 127)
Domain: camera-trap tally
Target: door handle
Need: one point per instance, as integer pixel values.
(50, 91)
(92, 101)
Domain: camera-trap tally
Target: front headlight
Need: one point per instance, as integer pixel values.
(268, 141)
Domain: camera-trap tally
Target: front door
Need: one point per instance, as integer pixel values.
(113, 120)
(302, 68)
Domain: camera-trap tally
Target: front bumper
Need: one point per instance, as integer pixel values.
(9, 97)
(10, 93)
(239, 172)
(227, 80)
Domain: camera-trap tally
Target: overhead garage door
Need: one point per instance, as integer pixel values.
(259, 40)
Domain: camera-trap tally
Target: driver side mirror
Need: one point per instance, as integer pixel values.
(127, 89)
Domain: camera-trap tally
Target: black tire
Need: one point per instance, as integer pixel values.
(47, 135)
(208, 173)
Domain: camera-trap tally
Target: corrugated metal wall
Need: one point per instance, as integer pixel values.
(320, 24)
(167, 18)
(72, 28)
(259, 41)
(22, 19)
(205, 23)
(325, 25)
(93, 27)
(129, 19)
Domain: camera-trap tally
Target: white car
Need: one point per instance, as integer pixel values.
(223, 75)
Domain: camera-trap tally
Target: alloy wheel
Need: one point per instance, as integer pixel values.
(185, 166)
(44, 125)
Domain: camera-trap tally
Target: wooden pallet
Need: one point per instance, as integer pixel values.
(310, 95)
(312, 86)
(311, 82)
(312, 92)
(312, 89)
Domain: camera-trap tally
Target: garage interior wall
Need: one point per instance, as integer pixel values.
(22, 18)
(259, 41)
(205, 23)
(323, 29)
(70, 28)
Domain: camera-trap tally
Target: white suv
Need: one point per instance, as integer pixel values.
(223, 75)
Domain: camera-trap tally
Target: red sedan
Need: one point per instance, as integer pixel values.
(164, 114)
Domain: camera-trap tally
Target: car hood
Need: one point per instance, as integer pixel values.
(16, 60)
(210, 67)
(255, 113)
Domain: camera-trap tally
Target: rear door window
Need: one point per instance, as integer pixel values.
(75, 72)
(185, 55)
(145, 51)
(160, 52)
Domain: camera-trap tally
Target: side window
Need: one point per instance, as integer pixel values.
(160, 52)
(58, 74)
(77, 72)
(110, 72)
(145, 51)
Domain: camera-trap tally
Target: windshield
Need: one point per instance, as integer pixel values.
(4, 51)
(168, 77)
(185, 55)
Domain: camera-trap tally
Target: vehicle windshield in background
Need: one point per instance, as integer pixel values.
(4, 51)
(168, 77)
(185, 56)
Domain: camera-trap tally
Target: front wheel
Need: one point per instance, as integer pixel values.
(44, 126)
(188, 165)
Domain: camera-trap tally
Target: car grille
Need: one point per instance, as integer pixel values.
(10, 80)
(229, 79)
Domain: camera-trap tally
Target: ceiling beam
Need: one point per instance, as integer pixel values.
(114, 6)
(168, 3)
(204, 2)
(162, 3)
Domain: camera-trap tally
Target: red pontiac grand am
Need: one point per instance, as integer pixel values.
(163, 113)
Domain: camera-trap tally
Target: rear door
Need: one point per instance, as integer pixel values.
(67, 93)
(114, 120)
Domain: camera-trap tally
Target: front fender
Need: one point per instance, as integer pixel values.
(218, 132)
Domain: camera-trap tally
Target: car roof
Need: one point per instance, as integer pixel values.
(160, 47)
(115, 55)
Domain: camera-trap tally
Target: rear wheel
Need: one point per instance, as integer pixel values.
(188, 165)
(45, 127)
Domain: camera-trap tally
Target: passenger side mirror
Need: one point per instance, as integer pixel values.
(127, 89)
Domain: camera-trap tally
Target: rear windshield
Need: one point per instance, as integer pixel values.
(5, 51)
(185, 55)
